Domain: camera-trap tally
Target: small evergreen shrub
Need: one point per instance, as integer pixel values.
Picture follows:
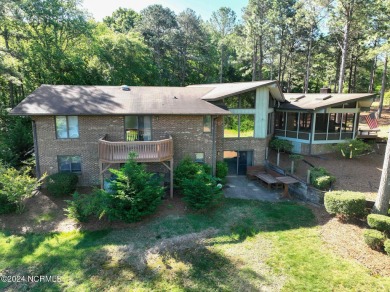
(320, 178)
(379, 222)
(374, 239)
(61, 183)
(82, 206)
(221, 170)
(201, 191)
(6, 206)
(353, 148)
(281, 145)
(387, 246)
(134, 193)
(346, 205)
(187, 169)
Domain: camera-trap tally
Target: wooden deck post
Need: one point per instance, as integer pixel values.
(171, 178)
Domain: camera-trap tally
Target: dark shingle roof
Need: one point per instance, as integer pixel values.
(108, 100)
(314, 101)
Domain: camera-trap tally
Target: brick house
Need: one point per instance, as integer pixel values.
(88, 129)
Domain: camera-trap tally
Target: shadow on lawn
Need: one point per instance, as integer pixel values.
(96, 259)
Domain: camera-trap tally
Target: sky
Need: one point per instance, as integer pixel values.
(101, 8)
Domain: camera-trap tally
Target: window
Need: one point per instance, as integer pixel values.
(245, 100)
(68, 163)
(67, 127)
(270, 123)
(236, 126)
(207, 124)
(138, 128)
(199, 157)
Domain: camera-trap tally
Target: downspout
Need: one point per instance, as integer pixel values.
(36, 153)
(214, 147)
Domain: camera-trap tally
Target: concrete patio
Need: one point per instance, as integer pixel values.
(239, 187)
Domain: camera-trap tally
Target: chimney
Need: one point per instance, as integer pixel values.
(325, 90)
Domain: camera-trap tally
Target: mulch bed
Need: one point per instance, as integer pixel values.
(346, 240)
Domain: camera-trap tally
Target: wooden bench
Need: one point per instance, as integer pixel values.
(368, 133)
(269, 179)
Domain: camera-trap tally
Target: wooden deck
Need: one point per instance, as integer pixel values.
(147, 151)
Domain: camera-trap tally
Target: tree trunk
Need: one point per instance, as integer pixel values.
(383, 88)
(344, 54)
(350, 75)
(11, 94)
(372, 76)
(221, 68)
(254, 60)
(354, 75)
(261, 62)
(308, 59)
(280, 57)
(381, 205)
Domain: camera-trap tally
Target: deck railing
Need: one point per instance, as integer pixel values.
(147, 151)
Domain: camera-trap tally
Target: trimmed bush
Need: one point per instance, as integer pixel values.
(61, 183)
(188, 169)
(344, 204)
(387, 246)
(374, 239)
(353, 148)
(379, 222)
(201, 191)
(320, 178)
(221, 170)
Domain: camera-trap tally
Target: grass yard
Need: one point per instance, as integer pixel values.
(240, 246)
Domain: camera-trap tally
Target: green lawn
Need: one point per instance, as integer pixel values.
(242, 245)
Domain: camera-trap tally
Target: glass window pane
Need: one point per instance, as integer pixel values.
(75, 163)
(248, 99)
(231, 126)
(73, 125)
(131, 122)
(147, 128)
(231, 102)
(61, 127)
(247, 125)
(199, 157)
(207, 124)
(64, 163)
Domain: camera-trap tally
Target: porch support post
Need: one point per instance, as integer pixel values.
(171, 176)
(101, 174)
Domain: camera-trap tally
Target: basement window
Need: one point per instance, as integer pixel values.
(69, 163)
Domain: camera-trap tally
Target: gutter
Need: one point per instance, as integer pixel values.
(36, 153)
(214, 148)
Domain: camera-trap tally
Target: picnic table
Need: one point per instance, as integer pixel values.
(286, 180)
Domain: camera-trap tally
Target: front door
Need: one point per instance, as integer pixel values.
(238, 161)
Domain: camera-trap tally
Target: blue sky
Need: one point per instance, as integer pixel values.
(204, 8)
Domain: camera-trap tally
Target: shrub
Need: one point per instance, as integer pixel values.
(320, 178)
(387, 246)
(281, 145)
(134, 192)
(15, 187)
(187, 169)
(374, 239)
(82, 206)
(221, 170)
(201, 191)
(346, 205)
(379, 222)
(353, 148)
(61, 183)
